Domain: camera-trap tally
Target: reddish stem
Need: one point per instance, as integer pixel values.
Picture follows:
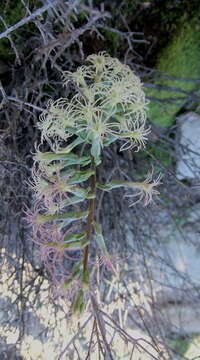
(90, 218)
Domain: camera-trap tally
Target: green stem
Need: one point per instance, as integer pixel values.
(90, 218)
(114, 184)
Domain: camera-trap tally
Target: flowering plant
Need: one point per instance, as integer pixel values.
(109, 104)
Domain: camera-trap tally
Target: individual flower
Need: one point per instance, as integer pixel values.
(79, 76)
(46, 190)
(99, 127)
(53, 190)
(33, 218)
(56, 121)
(102, 63)
(107, 261)
(136, 111)
(51, 251)
(122, 92)
(145, 190)
(44, 163)
(107, 69)
(85, 110)
(136, 137)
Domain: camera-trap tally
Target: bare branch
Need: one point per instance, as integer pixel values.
(127, 34)
(74, 337)
(28, 18)
(167, 88)
(11, 98)
(101, 325)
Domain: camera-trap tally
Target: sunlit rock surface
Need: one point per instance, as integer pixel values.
(188, 146)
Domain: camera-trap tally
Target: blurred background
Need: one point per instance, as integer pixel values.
(156, 294)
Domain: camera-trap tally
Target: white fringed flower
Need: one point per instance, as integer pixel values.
(56, 120)
(135, 138)
(146, 189)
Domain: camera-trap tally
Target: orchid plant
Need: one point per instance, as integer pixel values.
(108, 105)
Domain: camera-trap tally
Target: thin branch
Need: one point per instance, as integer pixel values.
(171, 77)
(129, 338)
(159, 74)
(12, 43)
(11, 98)
(28, 18)
(90, 343)
(101, 325)
(3, 92)
(74, 36)
(165, 87)
(175, 100)
(74, 337)
(127, 34)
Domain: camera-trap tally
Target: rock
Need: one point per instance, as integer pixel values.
(188, 147)
(9, 352)
(183, 316)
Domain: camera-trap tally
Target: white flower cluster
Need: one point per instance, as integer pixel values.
(109, 105)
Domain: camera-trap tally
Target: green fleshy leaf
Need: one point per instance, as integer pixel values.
(75, 245)
(81, 176)
(73, 144)
(77, 199)
(114, 184)
(67, 172)
(73, 200)
(79, 304)
(84, 136)
(91, 196)
(109, 140)
(68, 216)
(78, 175)
(77, 272)
(67, 284)
(86, 277)
(105, 187)
(69, 159)
(77, 268)
(51, 169)
(96, 151)
(63, 172)
(99, 237)
(50, 156)
(74, 237)
(79, 191)
(70, 244)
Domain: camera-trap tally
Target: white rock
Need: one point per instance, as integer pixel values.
(188, 147)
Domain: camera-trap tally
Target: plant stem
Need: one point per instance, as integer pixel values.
(90, 218)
